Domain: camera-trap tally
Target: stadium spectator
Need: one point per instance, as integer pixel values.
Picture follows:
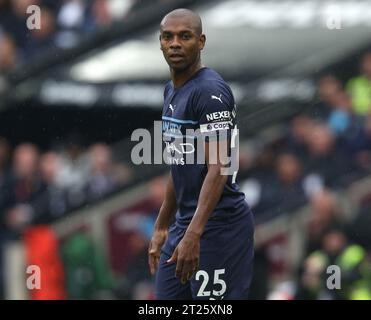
(340, 117)
(289, 174)
(336, 110)
(281, 191)
(25, 187)
(8, 53)
(311, 284)
(359, 229)
(27, 182)
(102, 178)
(352, 259)
(52, 203)
(14, 19)
(5, 195)
(43, 39)
(326, 160)
(362, 147)
(5, 199)
(324, 213)
(74, 171)
(258, 188)
(298, 135)
(360, 87)
(329, 87)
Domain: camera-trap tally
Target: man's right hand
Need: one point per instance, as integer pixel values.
(154, 250)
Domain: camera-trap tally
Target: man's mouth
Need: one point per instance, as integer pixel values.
(176, 57)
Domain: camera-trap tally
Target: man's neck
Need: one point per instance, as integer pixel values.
(181, 77)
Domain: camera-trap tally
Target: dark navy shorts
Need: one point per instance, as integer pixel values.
(225, 267)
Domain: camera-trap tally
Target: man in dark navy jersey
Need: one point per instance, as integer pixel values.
(207, 253)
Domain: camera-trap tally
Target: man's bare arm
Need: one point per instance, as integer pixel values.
(168, 207)
(212, 187)
(187, 252)
(165, 216)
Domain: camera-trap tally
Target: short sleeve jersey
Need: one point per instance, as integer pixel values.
(202, 108)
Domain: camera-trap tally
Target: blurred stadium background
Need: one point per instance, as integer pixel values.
(71, 94)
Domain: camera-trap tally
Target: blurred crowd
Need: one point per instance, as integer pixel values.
(40, 187)
(37, 188)
(64, 24)
(327, 147)
(322, 152)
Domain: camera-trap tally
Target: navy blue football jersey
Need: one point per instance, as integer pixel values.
(203, 107)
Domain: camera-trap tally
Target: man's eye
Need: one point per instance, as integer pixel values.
(166, 36)
(186, 36)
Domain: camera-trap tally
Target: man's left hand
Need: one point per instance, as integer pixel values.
(186, 255)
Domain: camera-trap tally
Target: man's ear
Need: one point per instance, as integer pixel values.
(202, 41)
(159, 38)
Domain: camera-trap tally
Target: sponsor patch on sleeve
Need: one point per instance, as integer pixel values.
(218, 116)
(209, 127)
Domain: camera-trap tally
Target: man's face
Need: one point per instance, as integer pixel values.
(180, 42)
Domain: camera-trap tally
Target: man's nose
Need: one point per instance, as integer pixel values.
(175, 43)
